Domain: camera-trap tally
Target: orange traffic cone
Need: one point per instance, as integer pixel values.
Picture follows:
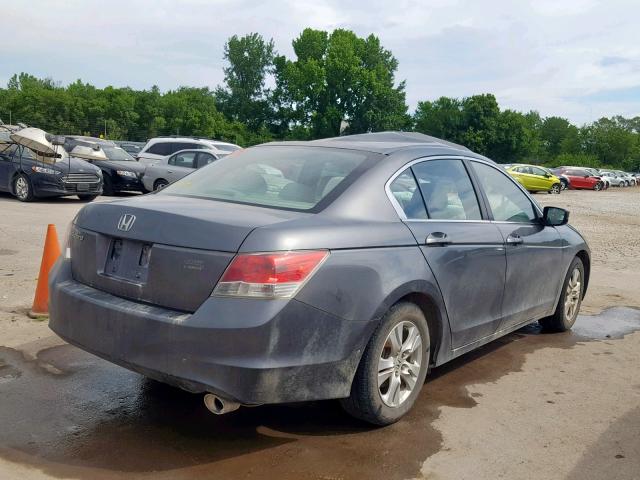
(51, 253)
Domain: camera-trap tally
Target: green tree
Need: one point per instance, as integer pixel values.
(338, 77)
(244, 97)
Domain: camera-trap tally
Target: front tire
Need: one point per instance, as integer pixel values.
(393, 367)
(22, 188)
(556, 188)
(570, 300)
(597, 187)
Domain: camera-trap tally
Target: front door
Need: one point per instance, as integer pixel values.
(464, 251)
(534, 251)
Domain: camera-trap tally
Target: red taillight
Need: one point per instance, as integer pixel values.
(268, 275)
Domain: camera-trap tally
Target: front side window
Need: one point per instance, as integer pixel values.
(447, 190)
(293, 178)
(507, 202)
(407, 194)
(186, 160)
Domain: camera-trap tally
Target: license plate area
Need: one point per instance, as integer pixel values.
(128, 260)
(82, 187)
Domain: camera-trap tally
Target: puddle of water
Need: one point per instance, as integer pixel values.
(71, 414)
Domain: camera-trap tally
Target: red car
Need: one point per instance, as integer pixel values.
(582, 179)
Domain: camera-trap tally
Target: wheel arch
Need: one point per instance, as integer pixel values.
(584, 256)
(427, 297)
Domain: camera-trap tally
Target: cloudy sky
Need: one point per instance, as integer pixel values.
(576, 58)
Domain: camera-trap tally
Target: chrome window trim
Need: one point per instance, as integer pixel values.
(399, 210)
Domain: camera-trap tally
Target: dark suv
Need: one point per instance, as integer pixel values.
(27, 176)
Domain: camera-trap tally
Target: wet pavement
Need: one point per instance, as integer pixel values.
(72, 415)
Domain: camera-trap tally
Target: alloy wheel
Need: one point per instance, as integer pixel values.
(399, 364)
(572, 295)
(556, 188)
(22, 188)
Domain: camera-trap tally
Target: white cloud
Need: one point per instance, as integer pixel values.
(561, 58)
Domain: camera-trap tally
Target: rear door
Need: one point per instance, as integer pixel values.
(464, 251)
(534, 251)
(204, 158)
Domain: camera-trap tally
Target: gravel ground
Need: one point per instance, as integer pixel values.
(526, 406)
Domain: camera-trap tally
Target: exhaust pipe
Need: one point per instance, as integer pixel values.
(219, 405)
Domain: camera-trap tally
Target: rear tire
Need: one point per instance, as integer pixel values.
(393, 367)
(160, 183)
(570, 300)
(22, 188)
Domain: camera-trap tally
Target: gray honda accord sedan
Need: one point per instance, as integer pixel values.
(340, 268)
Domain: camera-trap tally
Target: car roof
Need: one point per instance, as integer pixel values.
(208, 141)
(384, 143)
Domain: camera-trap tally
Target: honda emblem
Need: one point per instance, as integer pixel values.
(126, 222)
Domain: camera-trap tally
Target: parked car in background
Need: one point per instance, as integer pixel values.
(596, 173)
(132, 148)
(629, 180)
(160, 147)
(613, 178)
(120, 171)
(564, 180)
(379, 256)
(34, 165)
(535, 179)
(178, 165)
(581, 178)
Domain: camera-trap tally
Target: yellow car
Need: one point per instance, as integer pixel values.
(535, 179)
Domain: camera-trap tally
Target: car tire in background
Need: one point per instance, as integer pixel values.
(555, 188)
(160, 183)
(392, 368)
(22, 188)
(570, 300)
(107, 185)
(87, 198)
(598, 186)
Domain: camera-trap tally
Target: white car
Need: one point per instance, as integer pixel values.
(629, 179)
(159, 148)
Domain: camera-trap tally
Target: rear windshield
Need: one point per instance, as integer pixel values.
(292, 178)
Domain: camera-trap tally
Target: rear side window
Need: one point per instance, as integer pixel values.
(293, 178)
(407, 195)
(177, 146)
(204, 159)
(447, 190)
(507, 202)
(161, 148)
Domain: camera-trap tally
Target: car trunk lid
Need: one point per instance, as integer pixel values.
(162, 249)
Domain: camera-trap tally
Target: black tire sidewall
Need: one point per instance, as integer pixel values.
(159, 184)
(566, 324)
(382, 414)
(30, 195)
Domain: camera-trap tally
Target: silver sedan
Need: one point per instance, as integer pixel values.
(174, 167)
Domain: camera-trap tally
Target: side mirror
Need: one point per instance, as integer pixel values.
(555, 216)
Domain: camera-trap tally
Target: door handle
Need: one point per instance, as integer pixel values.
(169, 171)
(437, 239)
(514, 239)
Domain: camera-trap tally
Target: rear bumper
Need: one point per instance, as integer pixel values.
(251, 351)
